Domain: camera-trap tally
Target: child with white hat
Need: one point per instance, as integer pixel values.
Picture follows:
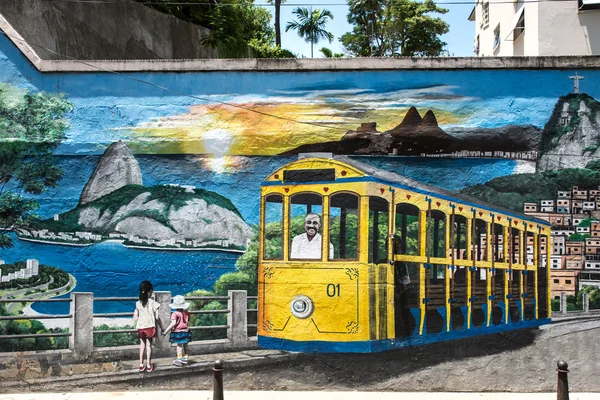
(181, 334)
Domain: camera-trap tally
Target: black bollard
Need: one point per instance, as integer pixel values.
(218, 380)
(562, 390)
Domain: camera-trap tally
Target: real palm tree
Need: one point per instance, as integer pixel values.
(277, 4)
(311, 25)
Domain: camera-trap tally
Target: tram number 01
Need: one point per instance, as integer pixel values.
(333, 290)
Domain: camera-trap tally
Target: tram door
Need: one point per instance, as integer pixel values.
(378, 267)
(406, 274)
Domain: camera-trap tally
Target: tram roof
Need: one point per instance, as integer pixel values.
(393, 177)
(411, 184)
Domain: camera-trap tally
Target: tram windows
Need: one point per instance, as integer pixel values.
(435, 288)
(514, 247)
(437, 234)
(480, 240)
(273, 227)
(407, 230)
(514, 294)
(305, 224)
(458, 297)
(378, 230)
(542, 278)
(529, 259)
(498, 243)
(528, 299)
(498, 296)
(459, 240)
(478, 296)
(406, 296)
(343, 226)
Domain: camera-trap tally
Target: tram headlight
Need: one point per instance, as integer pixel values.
(302, 306)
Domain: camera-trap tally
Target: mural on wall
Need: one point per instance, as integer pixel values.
(157, 185)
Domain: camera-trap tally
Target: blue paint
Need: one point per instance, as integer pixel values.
(105, 101)
(112, 270)
(503, 308)
(242, 185)
(375, 346)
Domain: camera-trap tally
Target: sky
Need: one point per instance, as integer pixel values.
(459, 38)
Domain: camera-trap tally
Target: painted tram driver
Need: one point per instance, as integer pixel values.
(307, 245)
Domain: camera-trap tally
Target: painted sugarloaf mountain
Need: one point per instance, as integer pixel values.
(114, 205)
(417, 135)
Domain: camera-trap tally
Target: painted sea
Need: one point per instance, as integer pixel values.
(112, 270)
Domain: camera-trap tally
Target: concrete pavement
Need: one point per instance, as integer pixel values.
(278, 395)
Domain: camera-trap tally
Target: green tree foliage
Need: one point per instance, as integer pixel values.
(26, 327)
(350, 239)
(265, 49)
(593, 294)
(247, 263)
(209, 320)
(114, 339)
(235, 281)
(61, 278)
(311, 25)
(382, 237)
(31, 126)
(578, 237)
(594, 165)
(327, 53)
(238, 28)
(575, 303)
(394, 28)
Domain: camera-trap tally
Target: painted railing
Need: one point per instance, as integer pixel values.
(585, 310)
(81, 331)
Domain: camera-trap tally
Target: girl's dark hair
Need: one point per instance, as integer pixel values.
(145, 287)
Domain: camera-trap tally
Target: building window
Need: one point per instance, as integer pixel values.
(496, 38)
(556, 281)
(485, 14)
(568, 281)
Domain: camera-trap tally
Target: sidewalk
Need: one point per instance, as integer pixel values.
(262, 395)
(103, 373)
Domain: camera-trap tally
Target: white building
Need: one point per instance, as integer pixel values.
(545, 28)
(558, 244)
(547, 206)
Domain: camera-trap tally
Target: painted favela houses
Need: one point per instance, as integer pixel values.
(445, 194)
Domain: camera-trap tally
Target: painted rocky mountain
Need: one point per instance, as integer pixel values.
(117, 168)
(416, 135)
(571, 138)
(163, 216)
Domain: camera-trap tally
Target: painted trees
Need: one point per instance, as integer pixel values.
(311, 25)
(31, 127)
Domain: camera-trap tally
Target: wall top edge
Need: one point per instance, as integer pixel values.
(317, 65)
(279, 65)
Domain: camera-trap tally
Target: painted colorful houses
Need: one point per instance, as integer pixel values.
(575, 219)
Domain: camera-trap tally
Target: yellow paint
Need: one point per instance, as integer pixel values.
(504, 299)
(447, 272)
(251, 129)
(342, 291)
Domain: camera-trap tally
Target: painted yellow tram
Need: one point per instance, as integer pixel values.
(356, 259)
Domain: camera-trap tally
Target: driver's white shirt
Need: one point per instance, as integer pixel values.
(303, 248)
